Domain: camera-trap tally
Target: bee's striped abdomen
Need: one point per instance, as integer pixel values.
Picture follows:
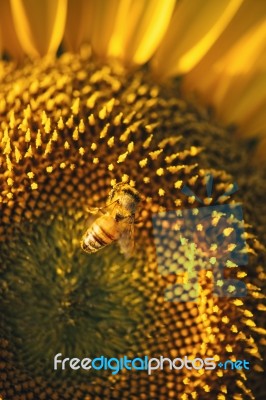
(101, 233)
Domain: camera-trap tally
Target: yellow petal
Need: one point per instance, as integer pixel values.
(255, 123)
(102, 24)
(192, 31)
(139, 29)
(248, 17)
(243, 56)
(10, 42)
(39, 24)
(237, 86)
(78, 24)
(93, 21)
(246, 98)
(236, 68)
(121, 27)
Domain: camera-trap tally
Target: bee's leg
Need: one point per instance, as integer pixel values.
(138, 221)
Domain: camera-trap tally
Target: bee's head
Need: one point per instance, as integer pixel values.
(127, 196)
(130, 199)
(130, 191)
(122, 189)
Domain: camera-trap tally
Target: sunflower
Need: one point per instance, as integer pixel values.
(166, 97)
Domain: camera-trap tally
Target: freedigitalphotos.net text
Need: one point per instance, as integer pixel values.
(144, 363)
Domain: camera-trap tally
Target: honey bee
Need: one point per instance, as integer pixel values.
(116, 222)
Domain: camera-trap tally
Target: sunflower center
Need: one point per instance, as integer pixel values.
(59, 300)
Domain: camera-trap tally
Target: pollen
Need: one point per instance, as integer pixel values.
(103, 113)
(10, 181)
(154, 154)
(28, 152)
(111, 141)
(130, 147)
(125, 178)
(70, 122)
(178, 184)
(160, 171)
(104, 131)
(75, 107)
(91, 120)
(147, 142)
(75, 134)
(81, 127)
(38, 139)
(60, 124)
(66, 145)
(228, 231)
(143, 162)
(47, 125)
(18, 155)
(122, 157)
(81, 151)
(27, 136)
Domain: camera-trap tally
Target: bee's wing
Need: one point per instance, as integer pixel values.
(126, 240)
(105, 209)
